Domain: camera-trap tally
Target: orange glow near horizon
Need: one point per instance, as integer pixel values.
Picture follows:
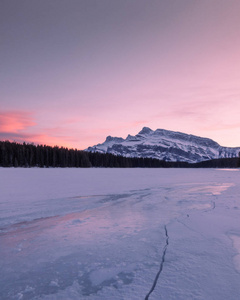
(14, 121)
(24, 127)
(17, 126)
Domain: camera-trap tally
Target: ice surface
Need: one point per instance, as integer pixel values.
(236, 244)
(101, 234)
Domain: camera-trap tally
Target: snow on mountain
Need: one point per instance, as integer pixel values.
(165, 145)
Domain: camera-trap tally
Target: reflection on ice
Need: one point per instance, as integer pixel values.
(214, 189)
(231, 170)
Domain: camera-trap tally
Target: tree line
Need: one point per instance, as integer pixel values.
(233, 162)
(14, 154)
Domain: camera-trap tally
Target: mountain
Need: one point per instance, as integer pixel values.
(165, 145)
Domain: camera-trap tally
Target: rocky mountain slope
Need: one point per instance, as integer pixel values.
(165, 145)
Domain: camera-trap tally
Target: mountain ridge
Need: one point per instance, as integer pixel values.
(165, 145)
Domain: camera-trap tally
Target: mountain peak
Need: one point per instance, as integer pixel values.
(145, 130)
(114, 139)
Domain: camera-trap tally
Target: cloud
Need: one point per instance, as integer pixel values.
(222, 126)
(21, 126)
(15, 121)
(25, 126)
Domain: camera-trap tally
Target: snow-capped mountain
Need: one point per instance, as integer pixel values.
(165, 145)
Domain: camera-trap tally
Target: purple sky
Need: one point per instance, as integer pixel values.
(73, 71)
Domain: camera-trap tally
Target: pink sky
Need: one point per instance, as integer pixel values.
(73, 72)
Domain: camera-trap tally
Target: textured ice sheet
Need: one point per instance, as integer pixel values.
(101, 234)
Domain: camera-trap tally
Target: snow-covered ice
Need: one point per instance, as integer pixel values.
(119, 234)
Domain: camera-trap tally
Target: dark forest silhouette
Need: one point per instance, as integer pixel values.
(14, 154)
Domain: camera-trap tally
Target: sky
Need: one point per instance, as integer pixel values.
(75, 71)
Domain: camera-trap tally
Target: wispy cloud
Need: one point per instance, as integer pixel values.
(15, 121)
(21, 126)
(24, 126)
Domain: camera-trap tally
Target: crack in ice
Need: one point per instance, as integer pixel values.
(214, 205)
(161, 265)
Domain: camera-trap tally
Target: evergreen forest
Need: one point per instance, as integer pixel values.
(14, 154)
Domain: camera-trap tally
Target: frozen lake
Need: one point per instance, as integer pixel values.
(116, 234)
